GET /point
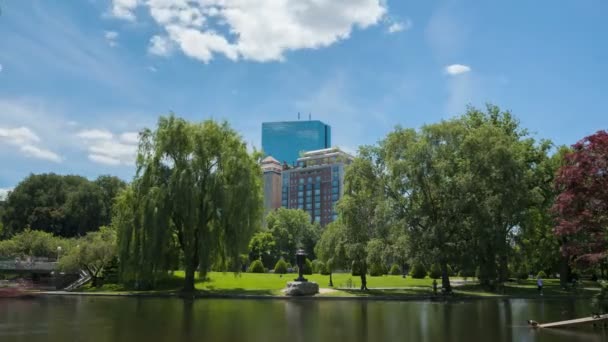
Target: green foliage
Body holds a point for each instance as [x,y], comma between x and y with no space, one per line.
[522,273]
[318,266]
[418,271]
[331,246]
[263,246]
[308,267]
[355,269]
[92,253]
[377,270]
[280,267]
[196,187]
[395,270]
[256,267]
[66,206]
[435,272]
[541,274]
[291,228]
[34,243]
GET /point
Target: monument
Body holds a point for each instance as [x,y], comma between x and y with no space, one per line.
[301,286]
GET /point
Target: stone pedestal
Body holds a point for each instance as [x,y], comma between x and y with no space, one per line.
[301,288]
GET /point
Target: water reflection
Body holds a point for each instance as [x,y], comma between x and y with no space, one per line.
[95,319]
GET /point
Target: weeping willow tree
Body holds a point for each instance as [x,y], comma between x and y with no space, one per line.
[197,189]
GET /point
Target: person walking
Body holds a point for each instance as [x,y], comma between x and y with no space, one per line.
[539,283]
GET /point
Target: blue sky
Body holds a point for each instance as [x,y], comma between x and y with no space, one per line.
[79,78]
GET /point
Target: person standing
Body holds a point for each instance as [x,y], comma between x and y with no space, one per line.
[539,282]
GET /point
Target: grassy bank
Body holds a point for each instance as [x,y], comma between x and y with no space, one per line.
[346,285]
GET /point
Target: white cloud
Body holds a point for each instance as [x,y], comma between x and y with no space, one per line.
[18,136]
[123,9]
[110,149]
[26,140]
[262,30]
[1,68]
[111,37]
[152,68]
[94,134]
[160,46]
[130,137]
[457,69]
[4,193]
[40,153]
[101,159]
[399,26]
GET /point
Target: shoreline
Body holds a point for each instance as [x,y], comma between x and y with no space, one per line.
[396,298]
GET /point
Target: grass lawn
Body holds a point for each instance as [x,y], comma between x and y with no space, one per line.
[348,285]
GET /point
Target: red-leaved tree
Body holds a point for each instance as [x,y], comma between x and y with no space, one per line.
[581,207]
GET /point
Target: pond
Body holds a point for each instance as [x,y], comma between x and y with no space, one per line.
[95,319]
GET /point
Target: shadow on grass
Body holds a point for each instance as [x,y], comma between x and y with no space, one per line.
[409,292]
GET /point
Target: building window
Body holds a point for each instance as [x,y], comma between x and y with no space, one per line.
[317,205]
[318,192]
[300,187]
[301,180]
[318,199]
[334,197]
[300,206]
[309,192]
[309,179]
[317,218]
[334,190]
[318,179]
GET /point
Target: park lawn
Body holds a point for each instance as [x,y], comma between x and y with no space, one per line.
[266,283]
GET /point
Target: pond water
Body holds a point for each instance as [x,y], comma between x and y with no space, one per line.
[95,319]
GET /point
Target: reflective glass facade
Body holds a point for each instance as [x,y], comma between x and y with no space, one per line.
[285,140]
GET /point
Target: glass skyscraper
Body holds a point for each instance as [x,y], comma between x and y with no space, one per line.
[285,140]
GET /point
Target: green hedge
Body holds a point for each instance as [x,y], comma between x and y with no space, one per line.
[435,272]
[395,270]
[256,267]
[377,270]
[280,267]
[541,274]
[418,271]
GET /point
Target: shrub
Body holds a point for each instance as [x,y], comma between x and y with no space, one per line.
[418,271]
[256,267]
[280,267]
[541,274]
[307,267]
[318,266]
[395,270]
[522,274]
[376,270]
[435,271]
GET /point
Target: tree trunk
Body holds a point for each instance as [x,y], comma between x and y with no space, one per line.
[363,277]
[564,273]
[445,277]
[503,268]
[331,283]
[189,281]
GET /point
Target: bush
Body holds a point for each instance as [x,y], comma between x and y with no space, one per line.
[435,272]
[256,267]
[280,267]
[541,274]
[318,266]
[376,270]
[395,270]
[522,273]
[307,267]
[418,271]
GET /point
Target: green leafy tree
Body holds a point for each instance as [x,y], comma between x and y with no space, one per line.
[67,206]
[263,246]
[256,267]
[290,228]
[359,208]
[418,271]
[376,257]
[194,181]
[93,253]
[34,243]
[331,247]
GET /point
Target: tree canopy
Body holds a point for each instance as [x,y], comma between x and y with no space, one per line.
[581,206]
[196,187]
[66,206]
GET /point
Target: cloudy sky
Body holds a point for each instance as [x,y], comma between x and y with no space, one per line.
[78,79]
